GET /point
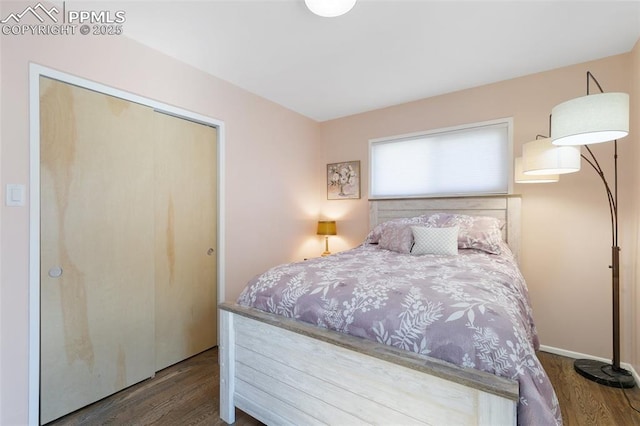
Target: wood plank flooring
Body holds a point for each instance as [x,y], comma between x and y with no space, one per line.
[187,394]
[586,403]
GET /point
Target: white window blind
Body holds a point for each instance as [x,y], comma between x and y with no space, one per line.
[472,159]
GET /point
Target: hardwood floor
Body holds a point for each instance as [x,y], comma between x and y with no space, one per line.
[183,394]
[187,394]
[585,403]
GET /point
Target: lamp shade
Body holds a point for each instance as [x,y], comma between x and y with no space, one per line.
[326,227]
[520,177]
[330,8]
[541,157]
[590,119]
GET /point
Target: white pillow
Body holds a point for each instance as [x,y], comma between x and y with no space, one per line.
[435,240]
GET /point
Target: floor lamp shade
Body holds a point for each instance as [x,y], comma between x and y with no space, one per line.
[541,157]
[590,119]
[520,177]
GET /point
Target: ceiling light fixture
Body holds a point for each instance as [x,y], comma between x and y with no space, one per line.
[330,8]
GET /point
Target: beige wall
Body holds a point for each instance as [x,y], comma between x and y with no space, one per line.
[635,129]
[271,161]
[566,232]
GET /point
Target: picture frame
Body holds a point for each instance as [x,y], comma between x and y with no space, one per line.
[343,180]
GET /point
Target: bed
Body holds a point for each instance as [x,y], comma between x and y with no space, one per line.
[385,334]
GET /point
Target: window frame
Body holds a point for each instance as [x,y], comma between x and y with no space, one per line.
[508,121]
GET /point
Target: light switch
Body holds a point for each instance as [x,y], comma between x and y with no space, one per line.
[15,195]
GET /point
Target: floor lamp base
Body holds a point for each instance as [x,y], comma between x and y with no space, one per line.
[603,373]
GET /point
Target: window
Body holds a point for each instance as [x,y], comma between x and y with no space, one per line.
[472,159]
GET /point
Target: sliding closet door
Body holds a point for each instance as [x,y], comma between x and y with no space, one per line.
[185,239]
[97,246]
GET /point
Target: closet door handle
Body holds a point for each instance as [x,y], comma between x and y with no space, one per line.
[210,251]
[55,271]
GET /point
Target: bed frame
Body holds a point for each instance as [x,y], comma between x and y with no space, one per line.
[281,371]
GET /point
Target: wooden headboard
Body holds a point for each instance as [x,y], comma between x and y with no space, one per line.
[505,207]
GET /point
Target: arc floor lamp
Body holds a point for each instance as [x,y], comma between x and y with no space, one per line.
[578,122]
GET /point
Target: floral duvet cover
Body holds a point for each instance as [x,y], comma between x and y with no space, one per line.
[471,310]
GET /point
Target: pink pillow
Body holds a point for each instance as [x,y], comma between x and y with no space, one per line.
[376,232]
[396,237]
[476,232]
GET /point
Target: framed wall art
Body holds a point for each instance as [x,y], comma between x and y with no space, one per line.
[343,180]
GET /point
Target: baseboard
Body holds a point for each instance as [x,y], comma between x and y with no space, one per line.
[578,355]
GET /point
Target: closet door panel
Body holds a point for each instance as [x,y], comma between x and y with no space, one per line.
[97,246]
[185,239]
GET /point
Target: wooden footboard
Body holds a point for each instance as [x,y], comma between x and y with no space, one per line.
[282,371]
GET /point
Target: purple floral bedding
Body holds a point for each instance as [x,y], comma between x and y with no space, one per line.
[471,309]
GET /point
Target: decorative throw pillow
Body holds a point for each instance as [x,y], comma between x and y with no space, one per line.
[396,237]
[475,232]
[435,240]
[479,232]
[376,232]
